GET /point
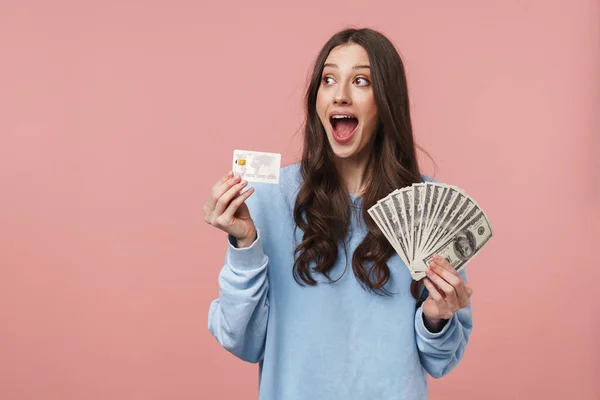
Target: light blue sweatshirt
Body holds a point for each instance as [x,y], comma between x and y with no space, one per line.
[331,341]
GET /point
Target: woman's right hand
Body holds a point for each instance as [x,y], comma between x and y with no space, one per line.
[226,209]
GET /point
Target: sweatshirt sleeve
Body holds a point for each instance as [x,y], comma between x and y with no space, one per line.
[238,318]
[442,351]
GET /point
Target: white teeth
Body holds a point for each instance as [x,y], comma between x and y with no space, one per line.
[342,116]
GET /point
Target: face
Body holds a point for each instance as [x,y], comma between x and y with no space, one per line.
[346,104]
[465,247]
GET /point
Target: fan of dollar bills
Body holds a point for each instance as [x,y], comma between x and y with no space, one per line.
[432,218]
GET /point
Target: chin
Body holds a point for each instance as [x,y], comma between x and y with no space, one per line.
[344,153]
[341,150]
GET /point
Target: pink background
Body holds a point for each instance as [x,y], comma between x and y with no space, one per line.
[117,117]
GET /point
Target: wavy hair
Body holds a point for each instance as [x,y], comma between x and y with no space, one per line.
[323,208]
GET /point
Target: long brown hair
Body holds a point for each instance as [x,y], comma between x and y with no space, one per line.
[323,208]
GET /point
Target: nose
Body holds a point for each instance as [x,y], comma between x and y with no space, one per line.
[341,96]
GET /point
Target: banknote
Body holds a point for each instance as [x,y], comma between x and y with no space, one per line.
[375,213]
[465,244]
[427,200]
[439,191]
[393,222]
[448,200]
[256,166]
[402,220]
[379,218]
[407,203]
[390,218]
[443,227]
[418,194]
[464,214]
[431,218]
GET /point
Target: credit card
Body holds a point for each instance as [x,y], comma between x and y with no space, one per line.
[257,166]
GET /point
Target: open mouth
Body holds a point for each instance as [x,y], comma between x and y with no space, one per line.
[343,125]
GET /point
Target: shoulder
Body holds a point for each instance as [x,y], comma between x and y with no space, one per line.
[427,178]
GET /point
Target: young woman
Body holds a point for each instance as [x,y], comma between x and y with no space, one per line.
[311,289]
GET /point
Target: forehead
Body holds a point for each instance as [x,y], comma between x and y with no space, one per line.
[349,53]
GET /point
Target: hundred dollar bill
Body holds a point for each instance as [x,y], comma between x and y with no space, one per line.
[391,217]
[439,190]
[465,244]
[256,166]
[427,200]
[451,195]
[379,217]
[399,211]
[418,194]
[445,227]
[462,217]
[406,195]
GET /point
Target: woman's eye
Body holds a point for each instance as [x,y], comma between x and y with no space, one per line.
[327,80]
[364,80]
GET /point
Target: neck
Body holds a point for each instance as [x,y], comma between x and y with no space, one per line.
[353,174]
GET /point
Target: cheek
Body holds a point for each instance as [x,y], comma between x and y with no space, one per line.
[369,109]
[371,122]
[372,116]
[373,109]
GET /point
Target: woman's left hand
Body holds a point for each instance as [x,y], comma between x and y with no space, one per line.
[448,293]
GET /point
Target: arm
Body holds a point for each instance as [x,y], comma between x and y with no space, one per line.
[441,351]
[238,318]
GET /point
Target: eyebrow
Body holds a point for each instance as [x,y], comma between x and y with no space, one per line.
[361,66]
